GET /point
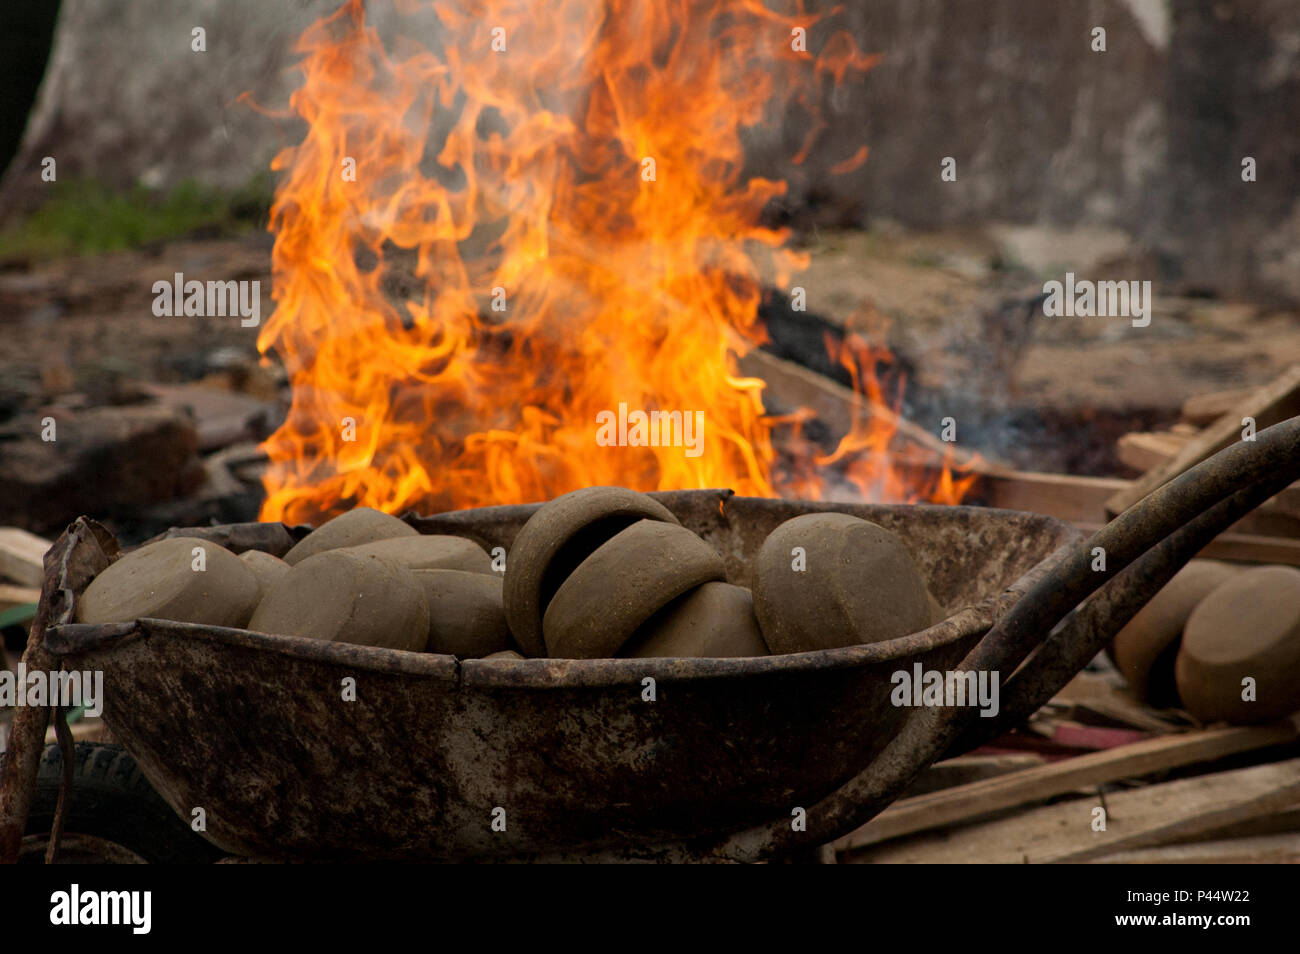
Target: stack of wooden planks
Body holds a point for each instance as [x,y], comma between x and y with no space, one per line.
[1170,794]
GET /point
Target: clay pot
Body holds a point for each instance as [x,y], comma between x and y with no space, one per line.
[505,654]
[628,579]
[714,620]
[1145,649]
[466,615]
[362,525]
[859,584]
[160,581]
[555,540]
[350,598]
[1249,626]
[266,568]
[431,552]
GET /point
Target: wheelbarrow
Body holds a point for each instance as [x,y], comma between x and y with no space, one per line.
[664,759]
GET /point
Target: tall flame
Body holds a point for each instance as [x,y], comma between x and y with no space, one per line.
[482,246]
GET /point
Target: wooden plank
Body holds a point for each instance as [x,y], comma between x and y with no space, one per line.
[1279,823]
[1204,409]
[1138,818]
[83,730]
[1057,495]
[837,406]
[1089,697]
[11,596]
[1146,450]
[1274,402]
[1264,850]
[978,799]
[22,556]
[965,769]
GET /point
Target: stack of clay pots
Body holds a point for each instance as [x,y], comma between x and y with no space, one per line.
[599,572]
[364,577]
[1220,641]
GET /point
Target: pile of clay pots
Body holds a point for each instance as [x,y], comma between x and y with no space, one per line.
[1219,641]
[599,572]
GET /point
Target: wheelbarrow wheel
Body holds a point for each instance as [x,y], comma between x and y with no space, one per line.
[114,814]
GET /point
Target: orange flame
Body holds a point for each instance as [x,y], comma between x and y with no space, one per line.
[481,249]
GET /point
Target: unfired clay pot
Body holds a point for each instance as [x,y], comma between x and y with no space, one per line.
[1145,649]
[466,615]
[555,540]
[350,598]
[266,568]
[826,580]
[1248,627]
[429,552]
[628,579]
[713,620]
[358,526]
[162,581]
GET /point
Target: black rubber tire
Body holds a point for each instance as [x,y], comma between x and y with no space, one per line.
[113,801]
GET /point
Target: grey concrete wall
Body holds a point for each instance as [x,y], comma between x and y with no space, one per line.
[1147,137]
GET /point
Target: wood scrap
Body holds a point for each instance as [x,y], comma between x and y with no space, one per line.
[11,596]
[83,730]
[965,769]
[22,556]
[1095,738]
[1279,823]
[837,406]
[1201,410]
[1058,495]
[1145,817]
[978,799]
[1261,850]
[1274,402]
[1147,450]
[1090,698]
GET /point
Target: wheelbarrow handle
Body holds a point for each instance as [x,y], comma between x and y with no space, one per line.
[1143,548]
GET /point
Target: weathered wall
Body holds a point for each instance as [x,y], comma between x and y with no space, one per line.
[1147,136]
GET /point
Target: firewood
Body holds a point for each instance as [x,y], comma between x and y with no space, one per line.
[11,596]
[22,556]
[836,405]
[1274,402]
[1264,849]
[1144,817]
[1201,410]
[1063,496]
[966,803]
[1147,450]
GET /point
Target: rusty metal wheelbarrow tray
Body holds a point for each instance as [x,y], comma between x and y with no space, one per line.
[571,755]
